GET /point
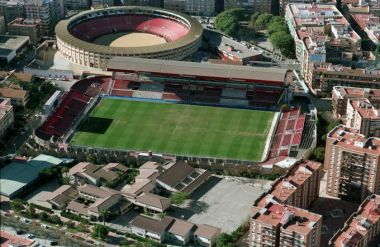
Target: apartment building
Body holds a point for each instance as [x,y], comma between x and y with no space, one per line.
[361,7]
[322,77]
[364,117]
[341,94]
[279,225]
[352,163]
[6,116]
[26,27]
[200,7]
[11,10]
[299,187]
[368,26]
[76,4]
[362,228]
[260,6]
[18,96]
[321,34]
[176,5]
[102,3]
[50,12]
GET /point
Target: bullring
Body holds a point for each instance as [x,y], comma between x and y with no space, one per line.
[76,36]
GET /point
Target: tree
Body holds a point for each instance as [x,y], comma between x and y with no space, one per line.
[104,214]
[278,26]
[262,21]
[254,17]
[17,205]
[55,220]
[100,232]
[43,216]
[283,41]
[91,158]
[31,212]
[224,240]
[65,180]
[319,154]
[228,21]
[179,197]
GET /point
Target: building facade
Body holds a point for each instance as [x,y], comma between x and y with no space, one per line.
[323,77]
[6,116]
[11,10]
[279,225]
[321,34]
[364,117]
[299,187]
[50,12]
[176,5]
[260,6]
[362,228]
[352,163]
[26,27]
[341,94]
[200,7]
[76,4]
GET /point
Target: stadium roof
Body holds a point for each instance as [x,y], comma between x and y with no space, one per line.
[195,32]
[201,70]
[17,175]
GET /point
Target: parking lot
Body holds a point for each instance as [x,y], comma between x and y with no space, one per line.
[222,202]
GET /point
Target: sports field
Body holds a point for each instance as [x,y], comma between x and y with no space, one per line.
[127,39]
[176,129]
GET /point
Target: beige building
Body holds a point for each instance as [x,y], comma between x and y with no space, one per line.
[352,164]
[6,116]
[19,97]
[341,94]
[299,187]
[26,27]
[362,229]
[323,77]
[364,117]
[279,225]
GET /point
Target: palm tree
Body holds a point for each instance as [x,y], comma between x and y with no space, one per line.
[104,214]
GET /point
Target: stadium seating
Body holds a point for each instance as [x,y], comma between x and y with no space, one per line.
[91,29]
[288,133]
[73,104]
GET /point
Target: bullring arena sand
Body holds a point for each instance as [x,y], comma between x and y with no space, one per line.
[127,39]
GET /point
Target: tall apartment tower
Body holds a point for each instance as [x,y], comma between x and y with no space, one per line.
[362,228]
[277,225]
[352,162]
[298,187]
[50,12]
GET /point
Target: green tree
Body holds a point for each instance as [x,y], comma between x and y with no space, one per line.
[43,216]
[104,215]
[262,21]
[65,180]
[318,154]
[179,197]
[254,17]
[55,220]
[277,19]
[100,232]
[224,240]
[228,21]
[283,42]
[274,27]
[17,205]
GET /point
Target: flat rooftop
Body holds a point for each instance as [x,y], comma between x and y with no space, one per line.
[9,43]
[198,70]
[16,175]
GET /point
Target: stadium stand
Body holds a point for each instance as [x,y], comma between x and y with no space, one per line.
[165,28]
[288,134]
[71,108]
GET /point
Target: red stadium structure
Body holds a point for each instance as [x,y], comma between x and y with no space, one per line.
[73,106]
[76,35]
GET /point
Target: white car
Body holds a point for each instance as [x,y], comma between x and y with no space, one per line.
[29,236]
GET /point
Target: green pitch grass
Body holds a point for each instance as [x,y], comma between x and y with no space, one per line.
[176,129]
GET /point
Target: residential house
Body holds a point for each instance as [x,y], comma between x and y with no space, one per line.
[206,235]
[180,231]
[151,228]
[61,197]
[179,176]
[152,202]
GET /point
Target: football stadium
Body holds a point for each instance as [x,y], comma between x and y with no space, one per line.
[182,109]
[91,38]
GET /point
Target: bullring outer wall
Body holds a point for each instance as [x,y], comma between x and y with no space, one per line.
[93,55]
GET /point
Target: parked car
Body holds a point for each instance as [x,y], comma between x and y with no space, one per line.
[53,243]
[30,236]
[20,232]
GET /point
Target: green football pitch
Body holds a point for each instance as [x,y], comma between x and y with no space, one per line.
[176,129]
